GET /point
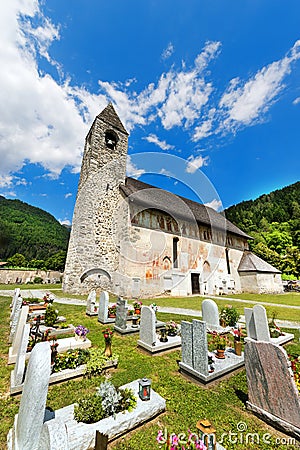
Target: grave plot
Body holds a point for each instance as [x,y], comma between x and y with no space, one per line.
[259,329]
[150,340]
[121,324]
[272,391]
[30,432]
[64,344]
[77,359]
[197,361]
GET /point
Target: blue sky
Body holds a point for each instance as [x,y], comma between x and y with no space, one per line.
[212,88]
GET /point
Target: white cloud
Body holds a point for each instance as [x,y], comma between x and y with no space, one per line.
[5,181]
[69,194]
[132,170]
[64,222]
[296,101]
[168,51]
[30,126]
[155,140]
[245,104]
[214,204]
[195,163]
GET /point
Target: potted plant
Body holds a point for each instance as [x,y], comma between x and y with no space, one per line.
[51,315]
[220,343]
[172,328]
[229,316]
[237,335]
[107,334]
[137,307]
[112,311]
[81,332]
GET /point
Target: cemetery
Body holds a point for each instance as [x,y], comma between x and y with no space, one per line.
[53,408]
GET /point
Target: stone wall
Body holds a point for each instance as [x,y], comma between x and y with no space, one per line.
[12,276]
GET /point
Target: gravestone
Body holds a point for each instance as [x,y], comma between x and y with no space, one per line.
[272,391]
[194,346]
[210,313]
[195,354]
[250,324]
[121,314]
[187,343]
[15,318]
[103,307]
[19,332]
[147,326]
[261,323]
[18,372]
[28,424]
[200,356]
[14,300]
[91,309]
[136,287]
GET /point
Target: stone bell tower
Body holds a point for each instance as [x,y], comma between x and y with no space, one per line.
[93,246]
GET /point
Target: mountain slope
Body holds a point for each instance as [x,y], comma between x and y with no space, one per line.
[274,222]
[30,231]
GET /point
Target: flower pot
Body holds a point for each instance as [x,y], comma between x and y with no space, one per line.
[111,316]
[222,323]
[220,354]
[238,348]
[108,351]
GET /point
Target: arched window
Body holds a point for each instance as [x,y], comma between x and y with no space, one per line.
[175,252]
[111,139]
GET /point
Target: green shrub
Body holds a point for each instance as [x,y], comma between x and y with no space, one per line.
[51,315]
[105,403]
[96,362]
[89,409]
[128,400]
[38,280]
[230,315]
[71,359]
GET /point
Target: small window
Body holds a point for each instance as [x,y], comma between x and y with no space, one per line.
[111,139]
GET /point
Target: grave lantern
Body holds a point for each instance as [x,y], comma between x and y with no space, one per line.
[207,433]
[144,388]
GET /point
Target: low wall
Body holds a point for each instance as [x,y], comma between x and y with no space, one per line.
[12,276]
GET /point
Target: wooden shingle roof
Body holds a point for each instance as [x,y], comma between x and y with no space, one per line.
[253,263]
[152,197]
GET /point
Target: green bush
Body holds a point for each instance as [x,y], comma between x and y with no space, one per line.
[51,315]
[89,409]
[96,362]
[230,315]
[128,400]
[71,359]
[38,280]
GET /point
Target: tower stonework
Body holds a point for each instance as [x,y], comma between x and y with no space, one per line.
[93,247]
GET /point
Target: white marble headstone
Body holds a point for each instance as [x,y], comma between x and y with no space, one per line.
[20,362]
[103,307]
[91,302]
[33,401]
[19,329]
[147,326]
[261,323]
[210,313]
[15,318]
[14,300]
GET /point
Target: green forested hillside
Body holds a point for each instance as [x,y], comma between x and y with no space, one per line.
[273,220]
[29,231]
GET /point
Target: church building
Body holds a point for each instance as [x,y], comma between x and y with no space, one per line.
[137,240]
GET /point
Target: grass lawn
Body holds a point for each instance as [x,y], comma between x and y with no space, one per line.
[283,313]
[223,403]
